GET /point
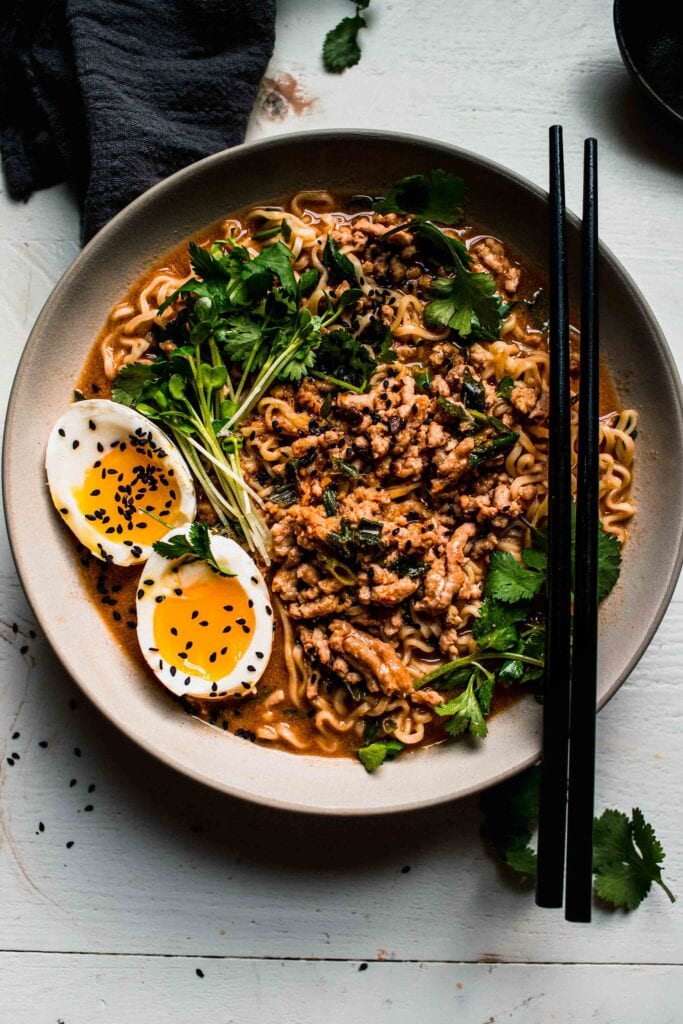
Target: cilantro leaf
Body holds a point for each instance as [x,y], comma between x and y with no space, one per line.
[512,581]
[238,337]
[130,383]
[510,813]
[375,754]
[341,49]
[609,561]
[468,303]
[495,628]
[627,856]
[465,712]
[195,543]
[276,259]
[627,859]
[339,266]
[435,196]
[308,281]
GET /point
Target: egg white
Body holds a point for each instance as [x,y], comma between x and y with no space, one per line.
[72,449]
[161,576]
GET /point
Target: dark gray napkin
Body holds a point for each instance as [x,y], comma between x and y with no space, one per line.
[113,95]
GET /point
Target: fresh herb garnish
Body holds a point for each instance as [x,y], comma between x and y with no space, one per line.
[466,302]
[505,388]
[196,543]
[467,711]
[245,314]
[511,581]
[339,266]
[627,859]
[344,361]
[341,49]
[375,754]
[627,856]
[437,196]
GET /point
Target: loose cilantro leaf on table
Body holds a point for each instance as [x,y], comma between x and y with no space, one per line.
[196,543]
[627,856]
[375,754]
[341,49]
[510,815]
[627,859]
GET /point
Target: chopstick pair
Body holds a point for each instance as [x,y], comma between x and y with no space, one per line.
[568,769]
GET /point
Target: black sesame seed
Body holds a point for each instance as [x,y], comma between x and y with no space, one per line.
[88,807]
[42,743]
[75,444]
[69,844]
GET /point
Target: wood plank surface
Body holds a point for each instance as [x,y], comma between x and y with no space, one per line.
[162,872]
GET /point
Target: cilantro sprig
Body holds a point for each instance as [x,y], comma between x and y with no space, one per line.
[375,754]
[465,301]
[627,856]
[244,326]
[627,859]
[341,49]
[195,544]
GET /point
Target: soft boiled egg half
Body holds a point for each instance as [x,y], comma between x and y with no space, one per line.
[204,634]
[116,480]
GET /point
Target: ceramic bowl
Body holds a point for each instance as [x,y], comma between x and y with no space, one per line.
[366,162]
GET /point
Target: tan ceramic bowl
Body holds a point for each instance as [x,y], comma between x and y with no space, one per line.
[366,162]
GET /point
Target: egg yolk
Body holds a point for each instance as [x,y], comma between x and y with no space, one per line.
[204,629]
[118,486]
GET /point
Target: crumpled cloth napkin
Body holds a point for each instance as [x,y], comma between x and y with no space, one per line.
[114,95]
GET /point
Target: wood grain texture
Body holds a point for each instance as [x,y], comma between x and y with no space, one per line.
[71,989]
[168,872]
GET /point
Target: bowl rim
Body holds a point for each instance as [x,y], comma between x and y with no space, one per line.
[99,241]
[633,69]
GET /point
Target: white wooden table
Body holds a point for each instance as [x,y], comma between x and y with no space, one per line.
[175,904]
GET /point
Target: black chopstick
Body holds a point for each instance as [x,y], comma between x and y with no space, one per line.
[553,807]
[579,880]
